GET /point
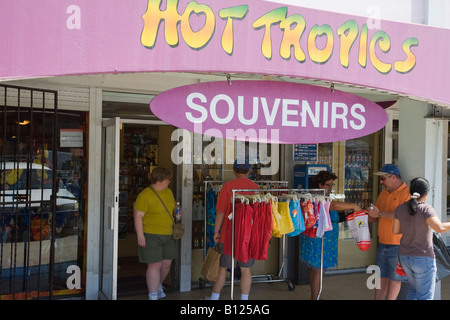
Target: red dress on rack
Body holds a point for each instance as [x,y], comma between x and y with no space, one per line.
[224,204]
[261,230]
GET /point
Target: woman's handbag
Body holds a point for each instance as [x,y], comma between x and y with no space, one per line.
[442,253]
[178,227]
[178,230]
[210,268]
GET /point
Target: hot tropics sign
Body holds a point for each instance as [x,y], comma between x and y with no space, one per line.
[269,112]
[210,36]
[322,40]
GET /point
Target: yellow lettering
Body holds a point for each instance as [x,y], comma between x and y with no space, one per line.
[384,42]
[362,56]
[320,55]
[197,25]
[348,33]
[152,20]
[409,63]
[238,12]
[291,37]
[197,39]
[267,20]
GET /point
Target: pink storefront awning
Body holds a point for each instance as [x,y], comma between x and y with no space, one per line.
[56,38]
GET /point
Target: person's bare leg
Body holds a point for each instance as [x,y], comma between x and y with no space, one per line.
[314,282]
[220,282]
[393,290]
[165,268]
[380,294]
[246,280]
[153,276]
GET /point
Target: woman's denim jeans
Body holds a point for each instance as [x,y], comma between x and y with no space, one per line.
[421,272]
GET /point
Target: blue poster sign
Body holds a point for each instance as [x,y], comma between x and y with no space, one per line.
[305,152]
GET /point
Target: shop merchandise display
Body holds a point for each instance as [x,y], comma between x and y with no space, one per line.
[262,216]
[257,218]
[281,225]
[212,189]
[279,212]
[253,228]
[211,202]
[359,226]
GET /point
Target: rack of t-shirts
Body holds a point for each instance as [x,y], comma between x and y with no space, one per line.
[211,191]
[260,215]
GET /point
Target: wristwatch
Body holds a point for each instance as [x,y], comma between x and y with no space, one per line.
[379,214]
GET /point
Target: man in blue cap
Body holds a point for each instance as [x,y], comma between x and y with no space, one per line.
[394,193]
[241,170]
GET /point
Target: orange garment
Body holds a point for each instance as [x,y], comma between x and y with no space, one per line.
[389,202]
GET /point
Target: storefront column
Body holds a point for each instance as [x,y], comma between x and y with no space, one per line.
[94,199]
[185,170]
[421,144]
[422,153]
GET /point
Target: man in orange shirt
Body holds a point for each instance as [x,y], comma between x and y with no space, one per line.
[395,192]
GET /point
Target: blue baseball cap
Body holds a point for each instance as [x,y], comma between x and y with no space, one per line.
[241,164]
[388,168]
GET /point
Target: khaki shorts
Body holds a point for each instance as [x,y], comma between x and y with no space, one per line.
[158,247]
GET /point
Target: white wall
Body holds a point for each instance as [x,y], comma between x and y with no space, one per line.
[439,13]
[421,145]
[398,10]
[434,13]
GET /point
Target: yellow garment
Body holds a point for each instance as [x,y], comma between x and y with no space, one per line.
[286,224]
[156,220]
[275,219]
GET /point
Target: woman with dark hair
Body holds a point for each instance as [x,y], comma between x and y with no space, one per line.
[311,247]
[416,220]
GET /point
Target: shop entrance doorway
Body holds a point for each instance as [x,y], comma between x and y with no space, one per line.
[133,148]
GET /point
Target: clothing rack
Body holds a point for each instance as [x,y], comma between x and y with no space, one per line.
[208,183]
[269,183]
[234,191]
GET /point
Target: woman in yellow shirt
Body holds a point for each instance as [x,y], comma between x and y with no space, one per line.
[154,226]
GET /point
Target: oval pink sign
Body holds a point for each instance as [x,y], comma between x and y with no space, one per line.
[269,112]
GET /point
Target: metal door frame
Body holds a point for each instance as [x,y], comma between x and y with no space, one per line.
[110,216]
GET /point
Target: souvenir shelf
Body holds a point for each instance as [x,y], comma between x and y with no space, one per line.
[358,175]
[139,157]
[202,173]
